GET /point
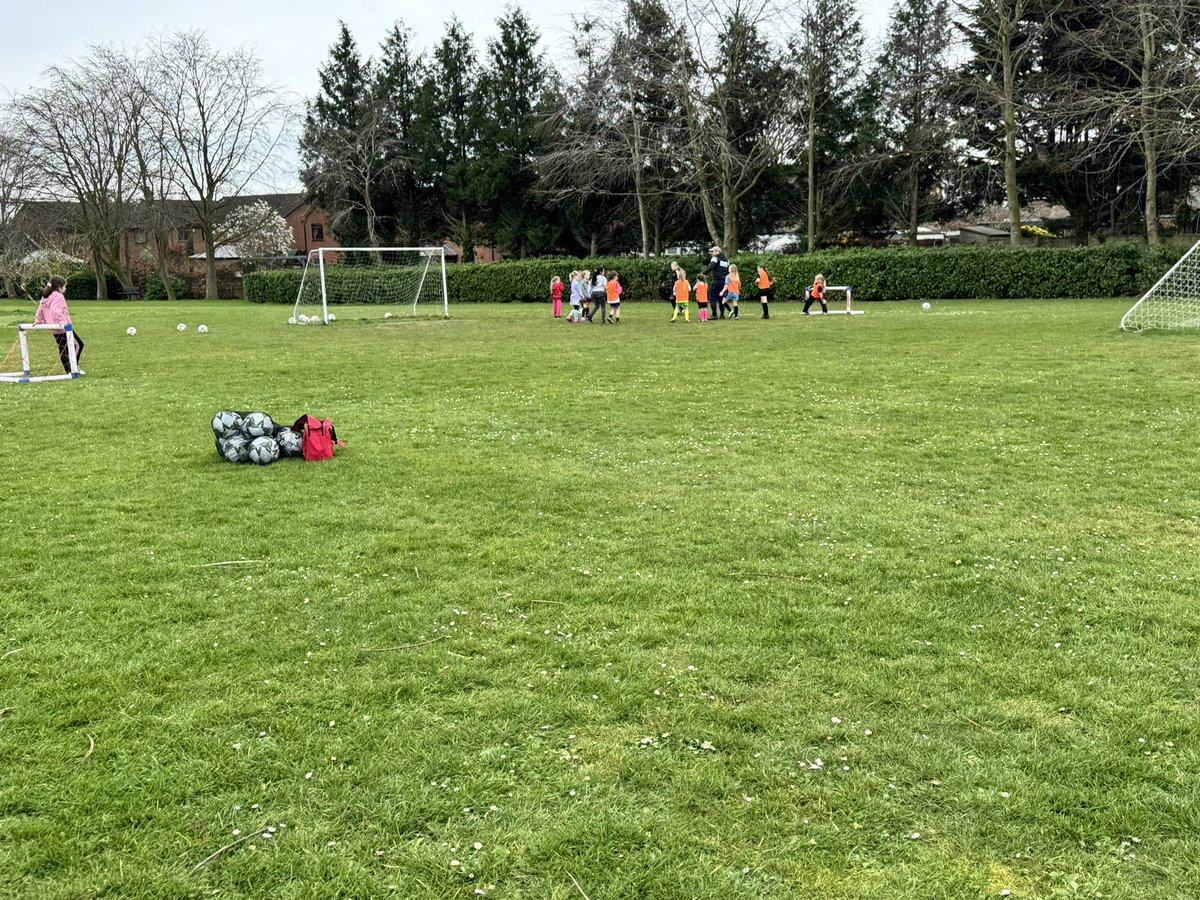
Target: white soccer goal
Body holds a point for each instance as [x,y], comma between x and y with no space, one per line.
[1174,302]
[402,277]
[38,354]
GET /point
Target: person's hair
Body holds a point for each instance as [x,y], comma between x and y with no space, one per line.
[682,274]
[555,279]
[56,283]
[733,268]
[700,279]
[820,278]
[612,274]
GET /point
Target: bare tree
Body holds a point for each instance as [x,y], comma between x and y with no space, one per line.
[18,183]
[83,154]
[221,122]
[735,102]
[617,123]
[354,165]
[1151,98]
[1005,35]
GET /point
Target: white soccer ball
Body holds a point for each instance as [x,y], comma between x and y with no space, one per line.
[226,422]
[263,451]
[925,305]
[131,331]
[332,318]
[291,320]
[257,424]
[387,315]
[203,329]
[234,447]
[302,319]
[181,327]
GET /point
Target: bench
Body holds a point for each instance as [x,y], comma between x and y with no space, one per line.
[125,294]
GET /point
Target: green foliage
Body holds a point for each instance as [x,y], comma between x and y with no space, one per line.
[156,290]
[963,273]
[81,285]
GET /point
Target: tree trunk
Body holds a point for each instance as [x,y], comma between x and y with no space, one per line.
[730,209]
[101,281]
[658,240]
[641,205]
[160,261]
[812,168]
[914,208]
[1008,109]
[1149,122]
[210,265]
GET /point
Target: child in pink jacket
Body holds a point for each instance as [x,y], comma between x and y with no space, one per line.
[52,310]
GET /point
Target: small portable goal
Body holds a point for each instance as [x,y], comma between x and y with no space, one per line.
[27,373]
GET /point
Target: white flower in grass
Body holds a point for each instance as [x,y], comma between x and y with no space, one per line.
[1005,794]
[835,720]
[454,863]
[308,776]
[1006,893]
[915,836]
[236,832]
[254,806]
[477,845]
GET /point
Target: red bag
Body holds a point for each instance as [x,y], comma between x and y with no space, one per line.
[317,437]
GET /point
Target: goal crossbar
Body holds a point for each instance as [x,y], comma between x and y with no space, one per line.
[429,253]
[25,375]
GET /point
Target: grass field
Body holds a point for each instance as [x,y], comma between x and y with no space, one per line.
[902,606]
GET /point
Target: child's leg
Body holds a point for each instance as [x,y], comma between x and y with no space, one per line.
[686,317]
[675,312]
[808,300]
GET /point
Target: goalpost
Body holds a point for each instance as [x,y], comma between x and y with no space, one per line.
[1174,302]
[413,277]
[44,363]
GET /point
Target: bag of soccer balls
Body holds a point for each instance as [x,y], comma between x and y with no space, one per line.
[254,437]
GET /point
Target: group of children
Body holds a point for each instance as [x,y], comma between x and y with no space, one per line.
[726,300]
[601,294]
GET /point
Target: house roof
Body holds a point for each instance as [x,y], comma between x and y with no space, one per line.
[284,204]
[986,230]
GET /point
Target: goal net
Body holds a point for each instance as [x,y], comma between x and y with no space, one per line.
[35,355]
[401,279]
[1174,302]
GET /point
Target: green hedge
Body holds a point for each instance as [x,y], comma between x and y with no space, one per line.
[963,273]
[156,290]
[82,285]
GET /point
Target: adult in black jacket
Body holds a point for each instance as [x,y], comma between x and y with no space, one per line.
[718,268]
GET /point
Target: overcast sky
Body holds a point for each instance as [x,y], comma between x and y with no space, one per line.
[292,38]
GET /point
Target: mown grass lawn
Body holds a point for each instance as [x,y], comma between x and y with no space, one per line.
[898,606]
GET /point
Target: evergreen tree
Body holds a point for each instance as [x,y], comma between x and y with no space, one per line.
[829,110]
[400,89]
[453,87]
[514,87]
[914,106]
[332,122]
